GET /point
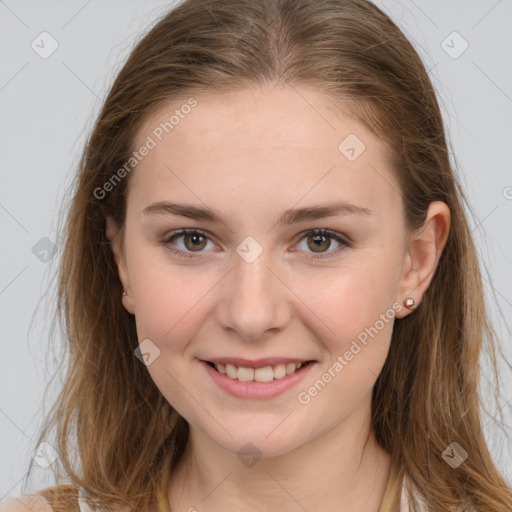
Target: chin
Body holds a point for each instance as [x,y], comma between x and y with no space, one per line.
[253,442]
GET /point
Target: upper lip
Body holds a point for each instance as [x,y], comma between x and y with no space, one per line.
[257,363]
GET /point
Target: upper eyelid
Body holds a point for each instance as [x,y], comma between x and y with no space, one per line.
[188,231]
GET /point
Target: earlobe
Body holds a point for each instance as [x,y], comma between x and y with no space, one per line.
[424,252]
[114,234]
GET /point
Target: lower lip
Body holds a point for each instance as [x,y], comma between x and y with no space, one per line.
[253,389]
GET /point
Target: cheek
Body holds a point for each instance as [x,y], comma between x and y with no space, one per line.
[167,301]
[355,305]
[169,310]
[163,293]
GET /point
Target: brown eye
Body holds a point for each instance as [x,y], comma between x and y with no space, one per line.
[319,243]
[197,242]
[188,243]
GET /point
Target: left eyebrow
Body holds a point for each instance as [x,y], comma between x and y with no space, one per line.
[293,216]
[290,216]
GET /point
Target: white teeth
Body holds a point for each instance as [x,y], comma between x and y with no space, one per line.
[231,371]
[264,374]
[279,371]
[290,368]
[245,374]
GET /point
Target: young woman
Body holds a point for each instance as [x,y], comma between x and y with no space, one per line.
[270,291]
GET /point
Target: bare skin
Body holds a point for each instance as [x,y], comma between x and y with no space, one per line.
[250,156]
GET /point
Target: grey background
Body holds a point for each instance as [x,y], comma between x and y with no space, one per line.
[48,106]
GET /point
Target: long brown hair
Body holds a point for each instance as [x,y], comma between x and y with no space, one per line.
[110,414]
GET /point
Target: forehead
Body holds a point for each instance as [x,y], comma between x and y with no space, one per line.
[277,144]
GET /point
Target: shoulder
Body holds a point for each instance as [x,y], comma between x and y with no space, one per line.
[59,498]
[26,504]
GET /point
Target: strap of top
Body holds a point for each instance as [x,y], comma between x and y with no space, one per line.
[83,504]
[393,495]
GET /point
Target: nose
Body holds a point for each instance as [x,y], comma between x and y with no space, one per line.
[254,300]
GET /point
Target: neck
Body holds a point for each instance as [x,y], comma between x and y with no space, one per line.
[343,470]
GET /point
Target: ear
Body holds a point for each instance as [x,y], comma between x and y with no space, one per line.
[423,254]
[116,237]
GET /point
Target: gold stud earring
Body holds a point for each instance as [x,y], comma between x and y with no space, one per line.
[409,303]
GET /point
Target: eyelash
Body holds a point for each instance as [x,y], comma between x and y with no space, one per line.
[344,241]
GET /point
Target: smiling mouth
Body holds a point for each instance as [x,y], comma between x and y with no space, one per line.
[263,374]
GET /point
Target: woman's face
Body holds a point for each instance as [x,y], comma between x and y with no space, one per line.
[255,284]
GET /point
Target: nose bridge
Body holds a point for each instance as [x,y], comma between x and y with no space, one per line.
[253,299]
